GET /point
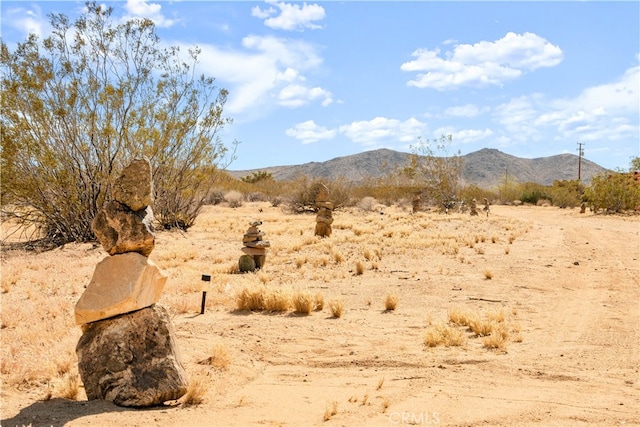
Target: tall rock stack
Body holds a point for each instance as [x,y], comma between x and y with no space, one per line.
[254,248]
[127,353]
[324,218]
[416,203]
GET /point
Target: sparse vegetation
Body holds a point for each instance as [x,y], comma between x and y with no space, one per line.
[391,302]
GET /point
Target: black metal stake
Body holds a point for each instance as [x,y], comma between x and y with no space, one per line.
[205,278]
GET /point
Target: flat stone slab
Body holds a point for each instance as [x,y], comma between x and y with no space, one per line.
[254,251]
[120,284]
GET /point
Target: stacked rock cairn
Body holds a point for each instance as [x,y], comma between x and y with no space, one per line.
[254,248]
[127,353]
[416,203]
[324,217]
[473,211]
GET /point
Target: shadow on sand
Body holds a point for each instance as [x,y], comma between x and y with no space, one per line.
[58,412]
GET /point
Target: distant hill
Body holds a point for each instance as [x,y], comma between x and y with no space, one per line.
[485,168]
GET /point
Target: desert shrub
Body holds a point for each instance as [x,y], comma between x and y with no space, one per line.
[302,192]
[614,192]
[566,193]
[531,192]
[367,204]
[234,198]
[70,125]
[437,172]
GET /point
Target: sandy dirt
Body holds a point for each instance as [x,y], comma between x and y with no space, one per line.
[568,283]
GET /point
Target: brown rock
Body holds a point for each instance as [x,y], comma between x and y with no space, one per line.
[324,220]
[254,251]
[323,229]
[323,194]
[134,188]
[120,284]
[252,237]
[132,359]
[258,244]
[120,230]
[246,264]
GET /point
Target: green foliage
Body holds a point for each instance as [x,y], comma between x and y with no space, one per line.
[566,193]
[472,191]
[614,192]
[79,105]
[257,177]
[634,165]
[532,192]
[439,175]
[301,193]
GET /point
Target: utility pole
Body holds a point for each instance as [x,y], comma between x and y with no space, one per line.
[580,154]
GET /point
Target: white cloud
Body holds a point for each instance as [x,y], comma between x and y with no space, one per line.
[382,129]
[144,9]
[603,113]
[463,136]
[291,17]
[309,132]
[266,68]
[297,96]
[483,63]
[27,21]
[467,110]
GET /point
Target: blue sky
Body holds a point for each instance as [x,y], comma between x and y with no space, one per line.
[317,80]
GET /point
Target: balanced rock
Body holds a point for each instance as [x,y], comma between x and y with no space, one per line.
[324,217]
[120,284]
[134,187]
[120,230]
[254,249]
[132,360]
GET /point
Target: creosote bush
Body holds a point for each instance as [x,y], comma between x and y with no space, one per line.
[70,124]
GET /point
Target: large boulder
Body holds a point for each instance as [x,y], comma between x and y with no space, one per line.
[132,359]
[120,230]
[134,187]
[120,284]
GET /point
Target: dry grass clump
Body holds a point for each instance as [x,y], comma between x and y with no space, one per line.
[277,300]
[337,308]
[445,335]
[303,302]
[251,299]
[391,302]
[220,356]
[359,268]
[196,391]
[318,301]
[66,387]
[330,411]
[461,317]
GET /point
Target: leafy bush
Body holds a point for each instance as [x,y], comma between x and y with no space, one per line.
[70,123]
[566,193]
[614,192]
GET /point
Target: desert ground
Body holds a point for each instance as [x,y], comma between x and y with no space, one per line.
[558,294]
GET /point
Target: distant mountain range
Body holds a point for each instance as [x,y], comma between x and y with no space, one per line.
[486,168]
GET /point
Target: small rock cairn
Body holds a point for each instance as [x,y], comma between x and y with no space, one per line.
[127,353]
[416,202]
[254,248]
[324,217]
[486,206]
[473,207]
